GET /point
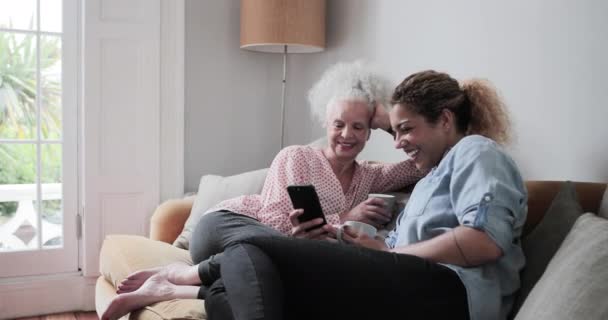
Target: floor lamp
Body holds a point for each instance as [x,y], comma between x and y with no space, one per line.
[283,26]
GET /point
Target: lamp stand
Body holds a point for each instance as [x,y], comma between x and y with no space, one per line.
[283,96]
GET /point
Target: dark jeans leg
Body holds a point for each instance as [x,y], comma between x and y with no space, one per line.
[349,282]
[253,292]
[217,306]
[214,232]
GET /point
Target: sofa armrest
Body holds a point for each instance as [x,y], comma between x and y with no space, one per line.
[169,218]
[541,194]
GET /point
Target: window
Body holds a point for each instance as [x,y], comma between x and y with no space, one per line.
[37,127]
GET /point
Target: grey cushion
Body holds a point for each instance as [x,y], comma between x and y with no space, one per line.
[542,243]
[575,284]
[214,189]
[603,212]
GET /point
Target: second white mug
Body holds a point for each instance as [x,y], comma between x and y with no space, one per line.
[359,228]
[389,199]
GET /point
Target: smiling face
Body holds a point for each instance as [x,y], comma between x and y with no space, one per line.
[424,142]
[347,129]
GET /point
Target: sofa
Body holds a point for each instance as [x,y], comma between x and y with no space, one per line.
[122,254]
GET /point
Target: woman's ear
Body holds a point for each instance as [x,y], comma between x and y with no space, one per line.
[447,119]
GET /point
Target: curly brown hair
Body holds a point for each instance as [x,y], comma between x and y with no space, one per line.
[475,103]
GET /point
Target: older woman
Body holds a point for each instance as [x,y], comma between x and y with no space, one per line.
[455,251]
[349,100]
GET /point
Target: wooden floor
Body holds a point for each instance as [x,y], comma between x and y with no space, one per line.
[91,315]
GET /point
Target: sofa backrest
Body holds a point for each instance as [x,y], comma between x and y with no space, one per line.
[541,193]
[167,222]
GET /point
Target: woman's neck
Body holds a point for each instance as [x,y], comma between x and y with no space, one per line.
[340,168]
[455,140]
[450,144]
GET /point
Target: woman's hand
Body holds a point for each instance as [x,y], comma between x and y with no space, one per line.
[299,229]
[331,233]
[371,211]
[363,240]
[380,118]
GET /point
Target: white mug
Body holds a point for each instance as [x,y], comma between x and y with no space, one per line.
[358,227]
[389,199]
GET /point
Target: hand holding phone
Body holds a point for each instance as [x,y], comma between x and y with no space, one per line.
[305,197]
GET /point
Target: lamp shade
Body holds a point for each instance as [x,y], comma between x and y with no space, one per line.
[270,25]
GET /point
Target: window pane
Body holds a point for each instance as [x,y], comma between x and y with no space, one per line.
[50,68]
[17,164]
[50,15]
[17,86]
[7,209]
[18,197]
[18,14]
[52,213]
[51,163]
[52,221]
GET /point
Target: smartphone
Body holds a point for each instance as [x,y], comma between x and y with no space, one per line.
[305,197]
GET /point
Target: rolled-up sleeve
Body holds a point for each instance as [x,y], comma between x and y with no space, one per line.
[488,194]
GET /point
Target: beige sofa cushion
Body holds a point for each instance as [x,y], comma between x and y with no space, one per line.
[575,283]
[214,189]
[123,254]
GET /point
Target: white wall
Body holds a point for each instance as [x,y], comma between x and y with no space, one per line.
[232,96]
[546,57]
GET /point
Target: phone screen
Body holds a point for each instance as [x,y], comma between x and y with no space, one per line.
[305,197]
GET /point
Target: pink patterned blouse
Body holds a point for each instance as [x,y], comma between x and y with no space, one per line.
[308,165]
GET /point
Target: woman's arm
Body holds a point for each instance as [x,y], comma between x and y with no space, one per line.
[393,176]
[288,167]
[380,119]
[462,246]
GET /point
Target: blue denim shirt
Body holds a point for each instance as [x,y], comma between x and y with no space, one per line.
[476,185]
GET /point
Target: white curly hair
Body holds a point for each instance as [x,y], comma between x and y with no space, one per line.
[347,81]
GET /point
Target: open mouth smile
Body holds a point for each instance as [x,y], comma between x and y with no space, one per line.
[346,145]
[412,153]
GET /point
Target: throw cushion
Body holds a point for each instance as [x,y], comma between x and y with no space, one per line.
[575,284]
[542,243]
[214,189]
[603,212]
[123,254]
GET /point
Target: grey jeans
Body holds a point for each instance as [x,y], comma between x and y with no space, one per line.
[215,232]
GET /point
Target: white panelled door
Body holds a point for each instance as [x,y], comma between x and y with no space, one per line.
[121,98]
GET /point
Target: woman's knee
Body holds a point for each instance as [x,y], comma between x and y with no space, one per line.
[202,243]
[210,221]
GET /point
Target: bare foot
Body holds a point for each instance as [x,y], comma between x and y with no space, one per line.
[133,281]
[174,273]
[156,288]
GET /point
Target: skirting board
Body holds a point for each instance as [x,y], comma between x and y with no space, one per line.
[31,296]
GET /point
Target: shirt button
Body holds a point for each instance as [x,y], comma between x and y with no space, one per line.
[487,198]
